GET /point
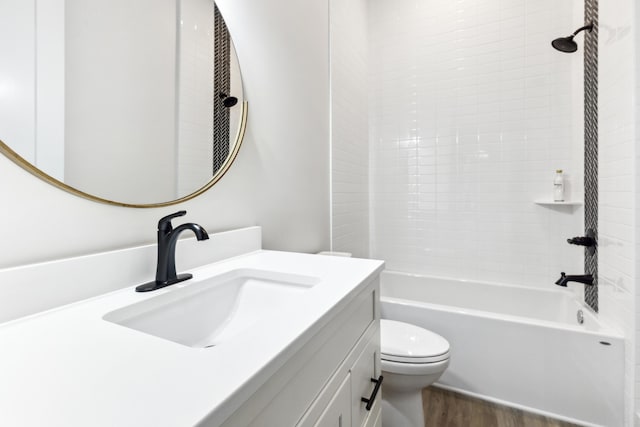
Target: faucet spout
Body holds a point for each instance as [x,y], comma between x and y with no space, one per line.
[166,270]
[167,240]
[201,233]
[587,279]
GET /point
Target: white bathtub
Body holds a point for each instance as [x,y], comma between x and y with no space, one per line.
[518,346]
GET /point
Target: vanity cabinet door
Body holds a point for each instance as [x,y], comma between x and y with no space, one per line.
[366,368]
[375,417]
[338,412]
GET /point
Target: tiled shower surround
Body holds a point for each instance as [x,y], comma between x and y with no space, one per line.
[349,128]
[619,182]
[471,112]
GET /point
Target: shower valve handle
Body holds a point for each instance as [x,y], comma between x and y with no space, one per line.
[582,241]
[589,241]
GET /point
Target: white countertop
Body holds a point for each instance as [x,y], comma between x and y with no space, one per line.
[69,367]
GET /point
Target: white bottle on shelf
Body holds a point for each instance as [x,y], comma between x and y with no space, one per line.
[558,187]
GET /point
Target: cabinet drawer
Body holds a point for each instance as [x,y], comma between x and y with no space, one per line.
[366,368]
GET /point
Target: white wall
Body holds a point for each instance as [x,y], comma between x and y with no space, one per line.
[282,46]
[17,89]
[280,179]
[471,112]
[120,98]
[616,178]
[50,87]
[349,127]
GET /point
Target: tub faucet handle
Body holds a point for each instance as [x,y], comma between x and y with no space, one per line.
[588,241]
[581,241]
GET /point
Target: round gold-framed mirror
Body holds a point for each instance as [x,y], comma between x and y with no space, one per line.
[139,109]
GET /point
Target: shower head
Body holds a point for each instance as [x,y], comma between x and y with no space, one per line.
[228,101]
[566,44]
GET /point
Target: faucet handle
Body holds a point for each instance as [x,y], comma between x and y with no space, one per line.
[589,241]
[582,241]
[165,222]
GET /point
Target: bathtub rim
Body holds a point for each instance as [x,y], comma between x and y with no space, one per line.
[603,328]
[559,290]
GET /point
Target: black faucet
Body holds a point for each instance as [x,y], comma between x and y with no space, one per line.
[167,239]
[587,279]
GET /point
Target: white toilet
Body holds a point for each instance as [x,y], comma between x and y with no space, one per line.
[412,359]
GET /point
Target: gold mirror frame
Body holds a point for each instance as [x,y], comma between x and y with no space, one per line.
[20,161]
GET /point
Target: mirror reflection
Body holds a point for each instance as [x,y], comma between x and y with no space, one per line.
[138,102]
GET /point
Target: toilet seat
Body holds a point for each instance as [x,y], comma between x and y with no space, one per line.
[416,370]
[409,344]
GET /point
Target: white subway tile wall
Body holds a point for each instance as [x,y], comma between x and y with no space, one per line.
[195,95]
[349,127]
[471,113]
[617,175]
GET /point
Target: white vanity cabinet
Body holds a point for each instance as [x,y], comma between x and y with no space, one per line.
[324,382]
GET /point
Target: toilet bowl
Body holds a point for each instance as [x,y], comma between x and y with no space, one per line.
[412,358]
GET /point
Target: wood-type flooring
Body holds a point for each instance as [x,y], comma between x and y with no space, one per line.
[443,408]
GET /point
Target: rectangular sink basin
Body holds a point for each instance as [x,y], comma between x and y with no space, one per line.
[208,312]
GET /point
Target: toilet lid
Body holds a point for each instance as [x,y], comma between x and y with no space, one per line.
[403,342]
